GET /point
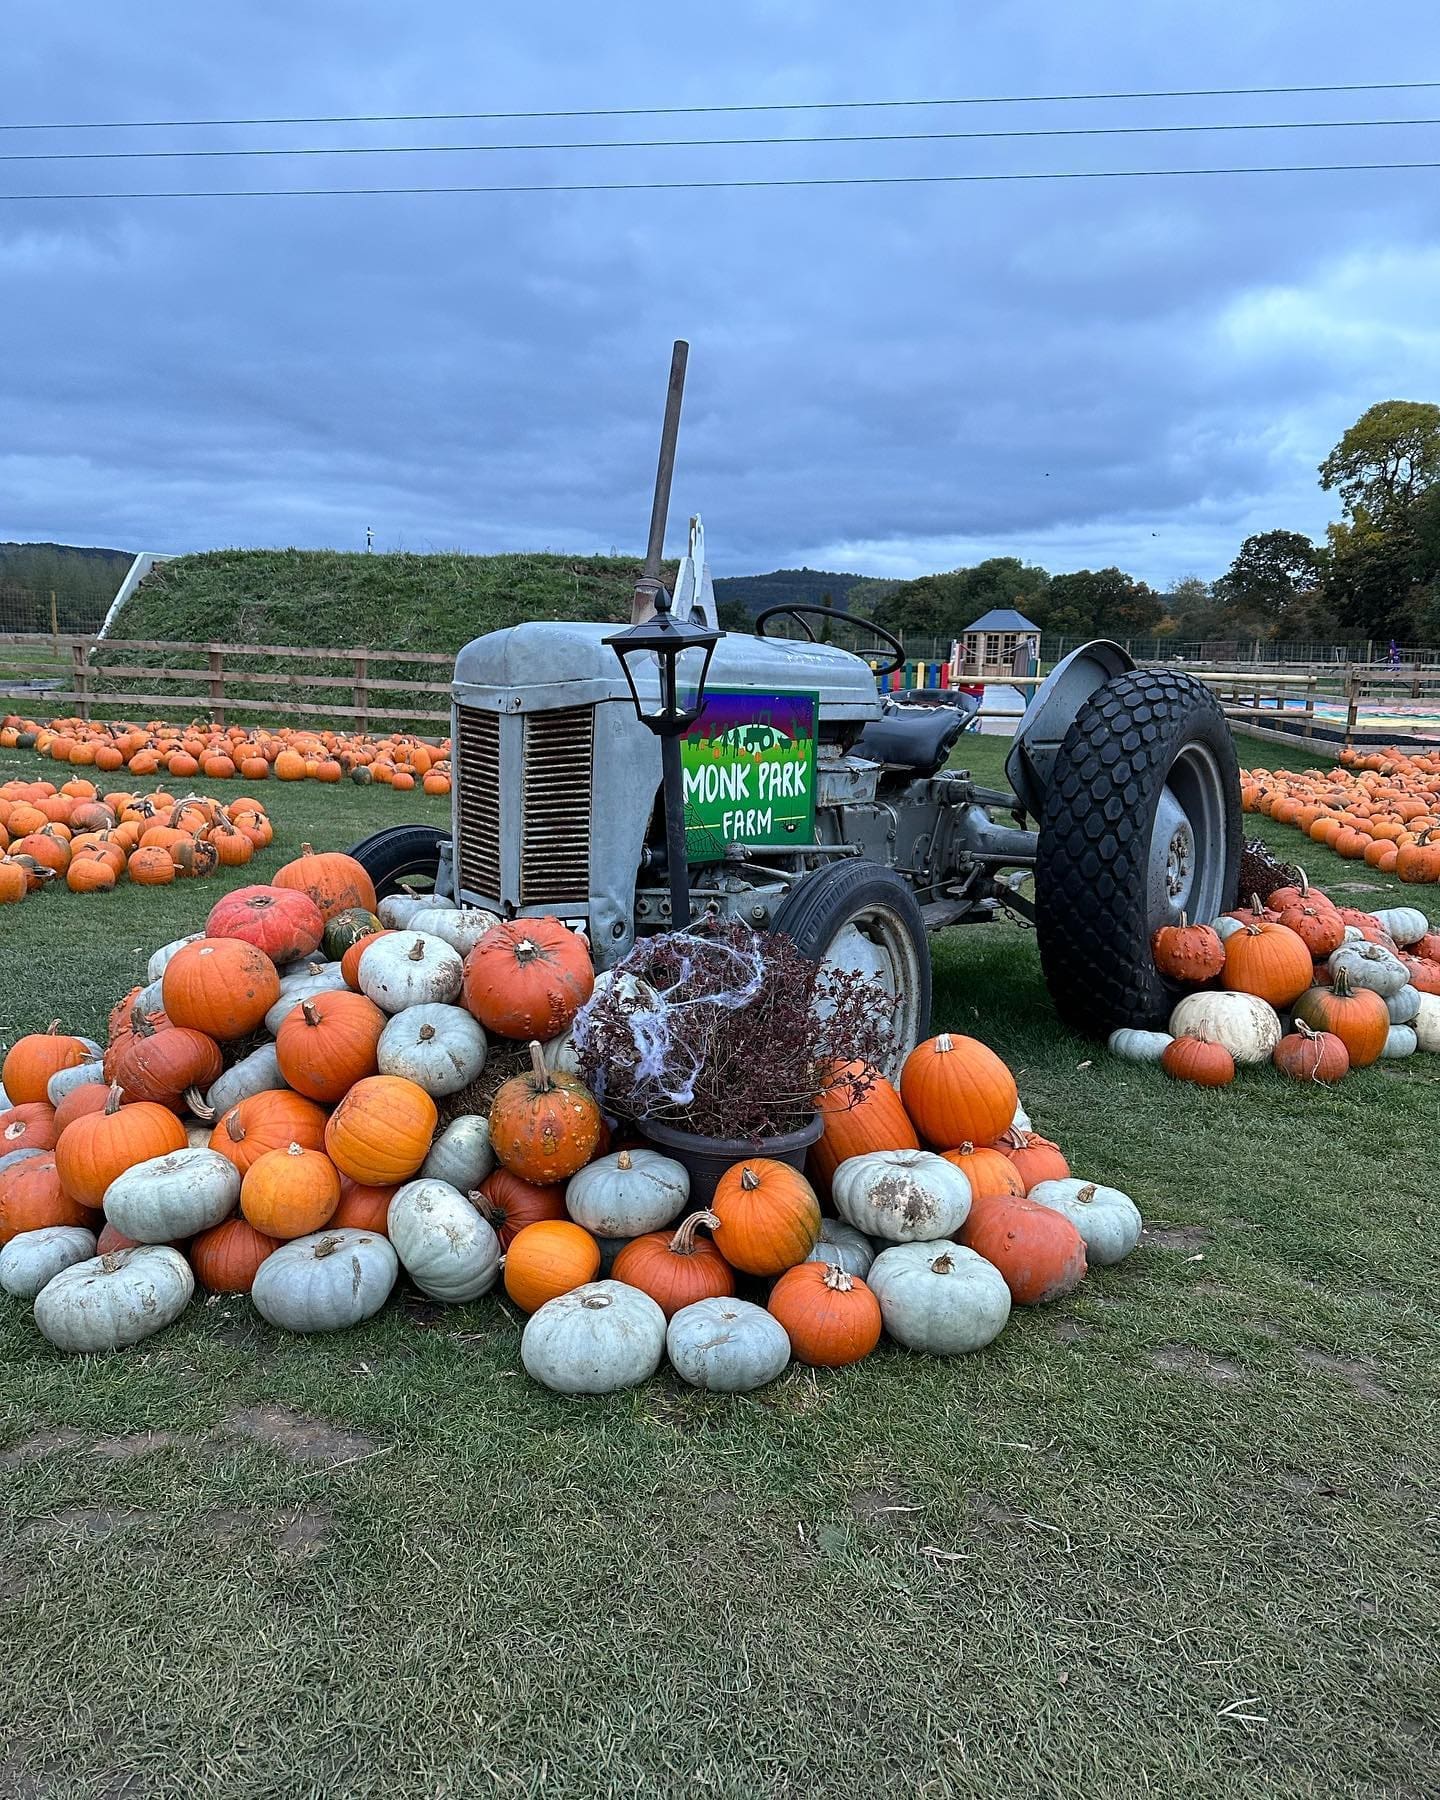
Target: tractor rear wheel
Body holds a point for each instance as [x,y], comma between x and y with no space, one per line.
[1141,823]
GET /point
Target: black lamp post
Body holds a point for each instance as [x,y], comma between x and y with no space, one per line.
[675,655]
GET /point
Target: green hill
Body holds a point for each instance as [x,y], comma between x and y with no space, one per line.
[786,587]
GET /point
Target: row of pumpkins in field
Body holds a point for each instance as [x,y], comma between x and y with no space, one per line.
[88,841]
[227,752]
[1381,807]
[264,1122]
[1356,986]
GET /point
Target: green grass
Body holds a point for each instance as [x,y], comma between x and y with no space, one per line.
[1172,1536]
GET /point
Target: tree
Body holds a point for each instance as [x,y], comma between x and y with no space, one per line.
[1098,603]
[734,615]
[1272,587]
[1386,460]
[1191,610]
[943,605]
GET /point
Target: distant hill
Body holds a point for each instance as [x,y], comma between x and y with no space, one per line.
[785,586]
[83,579]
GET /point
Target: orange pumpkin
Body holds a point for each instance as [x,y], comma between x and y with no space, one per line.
[333,880]
[1198,1060]
[151,868]
[989,1171]
[510,1203]
[1267,960]
[381,1131]
[832,1318]
[221,986]
[95,1148]
[676,1268]
[527,978]
[542,1126]
[32,1197]
[1039,1252]
[364,1208]
[1306,1055]
[877,1120]
[33,1059]
[769,1217]
[291,1192]
[29,1126]
[268,1121]
[89,1097]
[1187,952]
[350,961]
[328,1043]
[958,1091]
[547,1259]
[1035,1158]
[227,1258]
[1358,1017]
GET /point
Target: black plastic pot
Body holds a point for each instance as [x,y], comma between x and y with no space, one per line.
[707,1158]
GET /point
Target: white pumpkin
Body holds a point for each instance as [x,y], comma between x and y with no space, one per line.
[461,1155]
[843,1247]
[33,1258]
[627,1193]
[448,1250]
[1226,927]
[9,1158]
[727,1346]
[1403,1004]
[410,968]
[1247,1026]
[939,1297]
[1400,1041]
[114,1300]
[901,1196]
[151,999]
[396,911]
[461,927]
[257,1073]
[161,958]
[561,1056]
[6,1103]
[1108,1220]
[325,1282]
[1405,924]
[304,981]
[596,1339]
[440,1048]
[1021,1119]
[1138,1046]
[174,1196]
[1370,966]
[63,1081]
[1427,1024]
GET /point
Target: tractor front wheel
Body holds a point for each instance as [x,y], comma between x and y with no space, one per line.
[402,859]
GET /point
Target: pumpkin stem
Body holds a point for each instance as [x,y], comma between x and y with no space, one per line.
[837,1280]
[426,1033]
[749,1180]
[234,1130]
[1256,907]
[113,1099]
[1086,1194]
[944,1043]
[965,1149]
[417,951]
[307,1007]
[1304,1029]
[112,1260]
[683,1242]
[198,1105]
[543,1083]
[1340,983]
[525,950]
[943,1265]
[623,1160]
[327,1246]
[596,1301]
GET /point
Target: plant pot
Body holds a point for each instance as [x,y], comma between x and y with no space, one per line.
[706,1158]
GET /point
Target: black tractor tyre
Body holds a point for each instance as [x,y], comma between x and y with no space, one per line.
[1111,864]
[880,904]
[399,855]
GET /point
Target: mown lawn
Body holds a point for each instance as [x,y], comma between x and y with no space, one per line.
[1176,1535]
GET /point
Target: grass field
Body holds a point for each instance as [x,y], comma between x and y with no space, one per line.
[1176,1535]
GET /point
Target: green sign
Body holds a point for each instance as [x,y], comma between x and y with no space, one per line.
[749,764]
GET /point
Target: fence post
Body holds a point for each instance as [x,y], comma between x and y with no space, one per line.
[361,667]
[79,656]
[54,616]
[216,660]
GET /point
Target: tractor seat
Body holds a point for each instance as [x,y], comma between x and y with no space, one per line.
[918,738]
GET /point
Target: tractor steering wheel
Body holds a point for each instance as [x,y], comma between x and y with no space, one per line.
[797,613]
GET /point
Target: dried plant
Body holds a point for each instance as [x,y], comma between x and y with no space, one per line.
[729,1033]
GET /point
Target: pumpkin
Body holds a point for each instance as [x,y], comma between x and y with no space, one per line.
[1035,1158]
[547,1259]
[407,968]
[290,1193]
[1424,975]
[350,961]
[1318,926]
[163,1064]
[448,1250]
[852,1127]
[1370,966]
[676,1269]
[628,1193]
[396,911]
[1267,960]
[328,1043]
[64,1082]
[33,1059]
[99,1146]
[327,1282]
[844,1246]
[257,1073]
[726,1346]
[957,1091]
[1306,1055]
[769,1216]
[272,1120]
[173,1196]
[363,1208]
[940,1297]
[381,1130]
[902,1196]
[1108,1220]
[1186,952]
[34,1258]
[1400,1008]
[544,1126]
[987,1171]
[1199,1060]
[114,1300]
[831,1318]
[1427,1025]
[461,1154]
[332,880]
[1039,1252]
[1400,1041]
[1357,1016]
[221,986]
[301,982]
[527,978]
[597,1339]
[1245,1025]
[281,923]
[28,1127]
[440,1048]
[462,928]
[227,1257]
[347,929]
[32,1198]
[510,1203]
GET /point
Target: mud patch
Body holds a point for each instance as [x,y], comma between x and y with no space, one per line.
[88,1524]
[297,1534]
[301,1439]
[137,1443]
[886,1509]
[1185,1359]
[1355,1375]
[1187,1238]
[1070,1331]
[44,1443]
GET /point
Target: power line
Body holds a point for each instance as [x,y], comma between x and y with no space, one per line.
[878,137]
[806,181]
[769,106]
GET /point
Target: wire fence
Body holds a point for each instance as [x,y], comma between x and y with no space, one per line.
[52,610]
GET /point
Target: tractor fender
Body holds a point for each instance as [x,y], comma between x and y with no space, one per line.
[1052,711]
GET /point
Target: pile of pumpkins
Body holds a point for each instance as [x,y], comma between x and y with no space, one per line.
[1355,986]
[89,841]
[1382,807]
[266,1119]
[228,752]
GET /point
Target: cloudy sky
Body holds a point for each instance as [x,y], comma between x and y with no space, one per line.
[884,378]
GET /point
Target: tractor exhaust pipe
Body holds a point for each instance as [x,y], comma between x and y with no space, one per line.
[644,602]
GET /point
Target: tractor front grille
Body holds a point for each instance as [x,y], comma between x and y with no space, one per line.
[557,787]
[477,795]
